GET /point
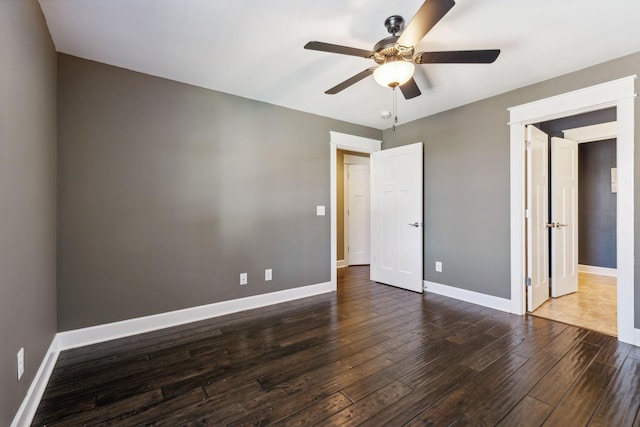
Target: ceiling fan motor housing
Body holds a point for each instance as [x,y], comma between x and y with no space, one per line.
[388,48]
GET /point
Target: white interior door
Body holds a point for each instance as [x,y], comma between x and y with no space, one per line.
[538,209]
[396,217]
[564,215]
[358,177]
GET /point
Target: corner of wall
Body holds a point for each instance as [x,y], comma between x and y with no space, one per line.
[29,405]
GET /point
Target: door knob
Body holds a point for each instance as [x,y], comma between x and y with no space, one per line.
[561,225]
[552,225]
[415,224]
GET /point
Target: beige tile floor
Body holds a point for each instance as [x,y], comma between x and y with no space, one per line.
[594,306]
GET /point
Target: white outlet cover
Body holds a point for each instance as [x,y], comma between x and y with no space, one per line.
[20,363]
[320,210]
[243,278]
[268,274]
[439,266]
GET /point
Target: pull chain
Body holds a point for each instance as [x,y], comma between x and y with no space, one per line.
[395,109]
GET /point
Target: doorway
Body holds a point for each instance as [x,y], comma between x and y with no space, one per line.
[592,300]
[619,94]
[396,206]
[357,144]
[353,208]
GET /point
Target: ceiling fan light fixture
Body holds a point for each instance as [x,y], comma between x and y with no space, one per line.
[394,73]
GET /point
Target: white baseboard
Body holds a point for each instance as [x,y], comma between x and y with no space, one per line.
[95,334]
[484,300]
[602,271]
[139,325]
[342,263]
[29,406]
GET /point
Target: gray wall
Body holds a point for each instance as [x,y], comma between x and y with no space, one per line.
[596,204]
[27,196]
[167,192]
[466,159]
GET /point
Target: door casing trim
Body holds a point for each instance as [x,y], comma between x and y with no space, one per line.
[342,141]
[617,93]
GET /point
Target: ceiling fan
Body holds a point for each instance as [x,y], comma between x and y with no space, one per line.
[395,55]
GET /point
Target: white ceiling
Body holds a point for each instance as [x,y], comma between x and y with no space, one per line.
[254,48]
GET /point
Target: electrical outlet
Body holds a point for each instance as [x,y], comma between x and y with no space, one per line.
[439,266]
[243,278]
[268,275]
[20,363]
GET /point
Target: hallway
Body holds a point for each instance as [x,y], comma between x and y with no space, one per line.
[594,306]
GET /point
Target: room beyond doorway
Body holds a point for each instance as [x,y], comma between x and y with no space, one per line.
[593,307]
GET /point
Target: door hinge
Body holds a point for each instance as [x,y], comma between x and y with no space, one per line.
[528,281]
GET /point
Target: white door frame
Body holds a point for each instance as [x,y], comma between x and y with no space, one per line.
[617,93]
[347,142]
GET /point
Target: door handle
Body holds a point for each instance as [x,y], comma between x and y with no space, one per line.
[552,225]
[415,224]
[561,225]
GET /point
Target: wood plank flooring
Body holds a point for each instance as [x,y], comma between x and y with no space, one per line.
[368,354]
[594,306]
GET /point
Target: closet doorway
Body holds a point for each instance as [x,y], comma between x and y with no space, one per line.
[353,208]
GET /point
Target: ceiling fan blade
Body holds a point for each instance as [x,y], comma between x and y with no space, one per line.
[410,89]
[458,57]
[427,17]
[350,81]
[334,48]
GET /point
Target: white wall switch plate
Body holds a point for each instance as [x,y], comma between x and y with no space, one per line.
[243,278]
[320,210]
[268,274]
[439,266]
[20,363]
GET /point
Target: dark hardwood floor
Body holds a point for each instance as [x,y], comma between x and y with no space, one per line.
[369,354]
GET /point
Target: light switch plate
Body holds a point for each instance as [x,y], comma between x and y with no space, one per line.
[320,210]
[268,274]
[439,266]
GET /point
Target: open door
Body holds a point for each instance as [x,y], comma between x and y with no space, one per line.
[396,217]
[564,215]
[538,209]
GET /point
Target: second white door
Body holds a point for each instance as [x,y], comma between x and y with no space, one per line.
[564,216]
